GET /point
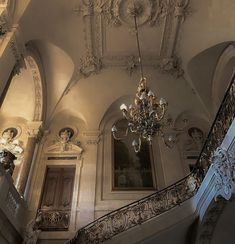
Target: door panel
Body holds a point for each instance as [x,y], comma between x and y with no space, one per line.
[56,198]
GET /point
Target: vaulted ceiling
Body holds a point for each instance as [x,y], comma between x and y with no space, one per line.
[89,54]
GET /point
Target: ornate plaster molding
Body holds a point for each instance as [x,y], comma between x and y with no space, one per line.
[90,65]
[38,108]
[118,12]
[10,143]
[102,14]
[171,66]
[65,144]
[182,10]
[18,49]
[224,169]
[4,27]
[131,64]
[6,16]
[34,130]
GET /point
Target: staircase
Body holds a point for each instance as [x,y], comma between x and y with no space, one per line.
[183,202]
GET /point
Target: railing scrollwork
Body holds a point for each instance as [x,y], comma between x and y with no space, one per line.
[138,212]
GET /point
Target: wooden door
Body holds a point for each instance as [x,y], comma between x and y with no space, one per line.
[56,198]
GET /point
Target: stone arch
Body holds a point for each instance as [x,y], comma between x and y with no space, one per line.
[113,112]
[33,62]
[201,69]
[27,82]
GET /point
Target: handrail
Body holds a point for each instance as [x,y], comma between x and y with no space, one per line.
[223,119]
[138,212]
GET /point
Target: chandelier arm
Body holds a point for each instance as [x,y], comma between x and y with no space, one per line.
[159,118]
[121,137]
[138,46]
[132,129]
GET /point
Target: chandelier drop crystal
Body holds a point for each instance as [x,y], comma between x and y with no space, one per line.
[145,117]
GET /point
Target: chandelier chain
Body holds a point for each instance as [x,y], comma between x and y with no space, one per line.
[138,46]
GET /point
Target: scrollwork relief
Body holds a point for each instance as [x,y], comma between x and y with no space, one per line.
[38,89]
[9,142]
[90,65]
[224,169]
[182,9]
[64,142]
[131,64]
[6,15]
[3,24]
[98,16]
[171,66]
[118,12]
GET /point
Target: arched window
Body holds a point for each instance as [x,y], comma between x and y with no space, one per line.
[131,171]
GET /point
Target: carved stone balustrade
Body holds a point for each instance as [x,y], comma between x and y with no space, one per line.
[12,206]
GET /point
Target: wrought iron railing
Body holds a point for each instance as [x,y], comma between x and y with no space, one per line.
[219,128]
[138,212]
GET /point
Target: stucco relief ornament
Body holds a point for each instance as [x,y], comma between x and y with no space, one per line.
[171,66]
[131,64]
[10,144]
[64,142]
[4,26]
[90,65]
[117,12]
[224,169]
[182,9]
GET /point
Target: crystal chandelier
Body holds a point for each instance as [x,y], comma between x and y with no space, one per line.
[145,117]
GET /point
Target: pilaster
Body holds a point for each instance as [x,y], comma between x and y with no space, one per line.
[88,178]
[33,131]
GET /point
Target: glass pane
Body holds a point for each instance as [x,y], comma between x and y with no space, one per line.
[131,171]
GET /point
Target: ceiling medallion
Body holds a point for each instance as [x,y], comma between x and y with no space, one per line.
[120,11]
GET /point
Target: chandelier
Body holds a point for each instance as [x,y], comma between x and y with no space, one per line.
[146,117]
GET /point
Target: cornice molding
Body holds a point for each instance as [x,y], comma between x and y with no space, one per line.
[92,137]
